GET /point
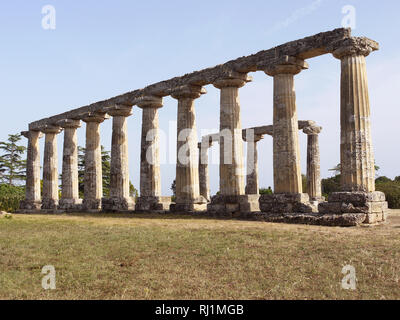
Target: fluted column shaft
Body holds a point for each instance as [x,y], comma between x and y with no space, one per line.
[231,168]
[252,180]
[93,177]
[313,163]
[33,200]
[50,169]
[204,177]
[70,180]
[287,170]
[356,152]
[150,178]
[187,170]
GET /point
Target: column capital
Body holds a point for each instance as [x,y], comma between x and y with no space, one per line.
[233,79]
[353,46]
[49,128]
[27,134]
[69,123]
[188,91]
[312,130]
[149,102]
[98,117]
[119,110]
[286,65]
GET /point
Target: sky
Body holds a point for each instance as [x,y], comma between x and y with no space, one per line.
[100,49]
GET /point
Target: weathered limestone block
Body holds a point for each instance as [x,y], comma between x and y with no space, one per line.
[120,199]
[372,204]
[153,204]
[233,205]
[50,169]
[70,183]
[286,203]
[287,171]
[93,190]
[33,200]
[188,196]
[313,163]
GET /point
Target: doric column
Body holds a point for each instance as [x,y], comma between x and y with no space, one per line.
[187,170]
[287,171]
[252,181]
[120,199]
[50,168]
[70,183]
[150,177]
[204,177]
[356,153]
[231,143]
[313,163]
[93,178]
[33,200]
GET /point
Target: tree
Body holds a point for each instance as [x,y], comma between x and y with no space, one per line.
[12,166]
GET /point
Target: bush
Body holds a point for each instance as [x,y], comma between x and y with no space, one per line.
[266,190]
[392,191]
[10,197]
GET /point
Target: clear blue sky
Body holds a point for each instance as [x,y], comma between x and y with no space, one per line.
[100,49]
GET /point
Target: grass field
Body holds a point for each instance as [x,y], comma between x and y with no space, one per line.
[179,257]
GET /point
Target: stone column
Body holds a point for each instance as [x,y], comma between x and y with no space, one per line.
[356,153]
[70,182]
[150,178]
[50,169]
[231,143]
[204,177]
[287,171]
[252,181]
[358,194]
[120,199]
[187,171]
[93,178]
[313,163]
[33,200]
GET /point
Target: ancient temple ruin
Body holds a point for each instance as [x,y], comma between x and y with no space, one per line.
[357,203]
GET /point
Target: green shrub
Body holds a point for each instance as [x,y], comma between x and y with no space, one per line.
[10,197]
[265,190]
[392,191]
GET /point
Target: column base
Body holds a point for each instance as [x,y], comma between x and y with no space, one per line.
[91,205]
[233,206]
[187,206]
[151,204]
[29,206]
[118,204]
[286,203]
[49,205]
[70,205]
[370,204]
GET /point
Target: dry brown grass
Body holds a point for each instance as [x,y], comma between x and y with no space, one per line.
[170,257]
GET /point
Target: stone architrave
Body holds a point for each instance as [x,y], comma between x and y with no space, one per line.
[150,178]
[188,196]
[93,178]
[50,169]
[120,199]
[313,163]
[33,200]
[70,183]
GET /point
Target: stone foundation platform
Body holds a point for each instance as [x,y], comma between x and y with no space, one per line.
[151,204]
[118,204]
[70,205]
[233,206]
[91,205]
[197,205]
[286,203]
[28,206]
[372,204]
